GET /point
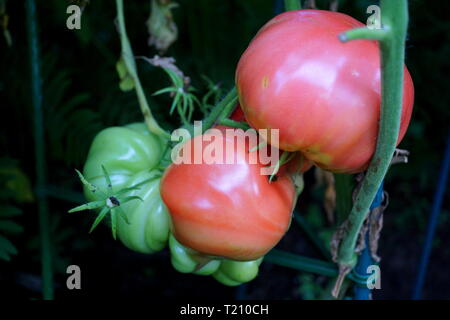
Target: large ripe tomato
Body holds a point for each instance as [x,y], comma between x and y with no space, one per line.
[323,95]
[130,155]
[226,210]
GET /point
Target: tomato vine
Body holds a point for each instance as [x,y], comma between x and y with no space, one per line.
[392,36]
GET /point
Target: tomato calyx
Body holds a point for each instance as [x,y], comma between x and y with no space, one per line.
[109,201]
[112,202]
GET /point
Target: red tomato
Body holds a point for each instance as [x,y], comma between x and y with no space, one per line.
[238,114]
[226,210]
[299,164]
[323,95]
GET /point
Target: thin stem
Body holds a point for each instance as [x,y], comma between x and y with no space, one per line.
[218,113]
[364,33]
[295,261]
[36,95]
[291,5]
[234,124]
[130,63]
[433,222]
[395,22]
[312,235]
[222,110]
[301,263]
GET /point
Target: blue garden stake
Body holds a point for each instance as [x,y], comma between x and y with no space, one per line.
[432,222]
[362,292]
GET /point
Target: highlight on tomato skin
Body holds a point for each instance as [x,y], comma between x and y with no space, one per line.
[323,95]
[227,210]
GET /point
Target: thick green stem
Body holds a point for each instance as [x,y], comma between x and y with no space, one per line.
[36,96]
[392,45]
[290,5]
[130,63]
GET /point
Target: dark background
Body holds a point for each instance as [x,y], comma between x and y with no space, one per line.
[81,96]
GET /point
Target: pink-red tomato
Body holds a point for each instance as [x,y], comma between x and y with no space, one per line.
[298,164]
[323,95]
[238,114]
[226,210]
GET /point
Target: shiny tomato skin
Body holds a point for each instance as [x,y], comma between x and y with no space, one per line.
[227,210]
[130,154]
[299,164]
[323,95]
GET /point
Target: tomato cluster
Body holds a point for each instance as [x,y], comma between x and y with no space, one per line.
[131,156]
[221,218]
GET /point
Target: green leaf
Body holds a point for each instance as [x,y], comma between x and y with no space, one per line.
[123,215]
[114,223]
[17,182]
[108,180]
[4,255]
[174,103]
[138,185]
[130,198]
[99,218]
[88,206]
[10,227]
[7,248]
[91,187]
[176,79]
[165,90]
[8,211]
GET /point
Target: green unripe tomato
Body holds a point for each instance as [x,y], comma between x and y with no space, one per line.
[149,221]
[129,154]
[224,279]
[228,272]
[123,151]
[232,273]
[185,260]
